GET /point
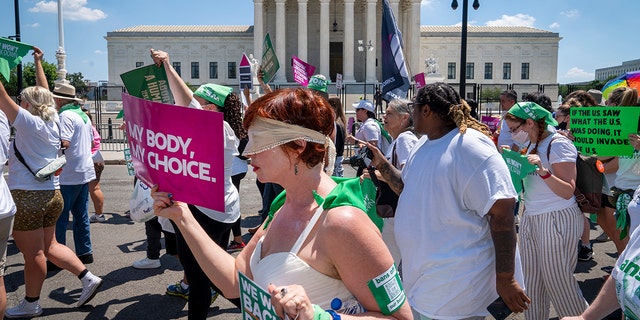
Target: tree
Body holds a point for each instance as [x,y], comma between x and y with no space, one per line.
[76,79]
[29,73]
[12,85]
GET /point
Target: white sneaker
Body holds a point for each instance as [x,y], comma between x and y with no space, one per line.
[147,263]
[97,218]
[24,310]
[90,285]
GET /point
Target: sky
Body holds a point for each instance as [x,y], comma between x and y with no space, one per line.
[595,34]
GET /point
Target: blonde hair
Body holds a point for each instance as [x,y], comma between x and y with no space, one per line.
[41,102]
[623,96]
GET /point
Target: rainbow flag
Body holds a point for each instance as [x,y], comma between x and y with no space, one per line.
[629,79]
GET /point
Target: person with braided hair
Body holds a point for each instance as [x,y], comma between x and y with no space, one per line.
[454,222]
[552,222]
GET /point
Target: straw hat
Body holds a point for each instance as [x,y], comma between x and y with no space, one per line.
[65,91]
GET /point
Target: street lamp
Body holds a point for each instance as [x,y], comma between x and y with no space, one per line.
[366,48]
[463,45]
[16,9]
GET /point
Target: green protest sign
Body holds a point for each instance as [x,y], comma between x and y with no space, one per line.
[255,301]
[11,53]
[149,83]
[270,64]
[519,167]
[604,130]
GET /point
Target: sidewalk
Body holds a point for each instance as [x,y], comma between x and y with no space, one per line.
[113,157]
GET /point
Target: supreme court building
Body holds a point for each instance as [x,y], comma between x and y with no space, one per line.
[326,34]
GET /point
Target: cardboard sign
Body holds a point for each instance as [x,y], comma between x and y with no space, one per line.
[255,302]
[519,167]
[244,70]
[11,54]
[492,122]
[604,130]
[338,81]
[149,83]
[270,64]
[302,71]
[420,81]
[179,149]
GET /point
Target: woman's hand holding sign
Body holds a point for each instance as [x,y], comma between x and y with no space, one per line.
[291,302]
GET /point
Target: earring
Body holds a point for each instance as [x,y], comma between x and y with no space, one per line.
[295,169]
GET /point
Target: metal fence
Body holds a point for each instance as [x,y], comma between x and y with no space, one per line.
[107,102]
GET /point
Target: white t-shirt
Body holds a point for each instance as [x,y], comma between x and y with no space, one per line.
[370,130]
[504,138]
[628,174]
[538,197]
[238,166]
[39,144]
[625,274]
[441,227]
[231,197]
[7,207]
[403,144]
[79,168]
[634,210]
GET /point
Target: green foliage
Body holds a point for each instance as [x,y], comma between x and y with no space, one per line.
[76,79]
[29,73]
[490,94]
[12,86]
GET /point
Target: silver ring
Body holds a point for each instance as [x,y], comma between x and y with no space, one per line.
[283,292]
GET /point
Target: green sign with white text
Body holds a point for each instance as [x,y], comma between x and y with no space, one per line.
[255,301]
[270,64]
[604,130]
[149,83]
[519,167]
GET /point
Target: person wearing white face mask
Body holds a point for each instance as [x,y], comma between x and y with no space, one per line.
[552,221]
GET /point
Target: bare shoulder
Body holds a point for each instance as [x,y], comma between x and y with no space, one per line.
[347,223]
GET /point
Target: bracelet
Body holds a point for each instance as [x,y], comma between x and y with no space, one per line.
[546,176]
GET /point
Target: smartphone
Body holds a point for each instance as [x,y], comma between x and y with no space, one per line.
[499,309]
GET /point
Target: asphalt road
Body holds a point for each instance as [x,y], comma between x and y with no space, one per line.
[129,293]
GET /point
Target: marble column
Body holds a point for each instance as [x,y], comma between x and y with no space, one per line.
[372,37]
[324,38]
[281,40]
[258,29]
[414,32]
[349,42]
[302,30]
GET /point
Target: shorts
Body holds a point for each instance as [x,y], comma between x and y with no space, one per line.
[5,231]
[36,209]
[98,167]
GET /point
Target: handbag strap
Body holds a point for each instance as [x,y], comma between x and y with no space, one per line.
[19,155]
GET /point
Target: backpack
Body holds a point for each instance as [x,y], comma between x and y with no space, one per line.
[589,181]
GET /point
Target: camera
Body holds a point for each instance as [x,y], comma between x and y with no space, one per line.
[362,158]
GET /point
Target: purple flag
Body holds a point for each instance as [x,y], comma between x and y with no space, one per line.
[302,71]
[395,77]
[179,149]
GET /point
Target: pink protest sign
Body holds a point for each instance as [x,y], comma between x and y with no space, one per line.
[492,122]
[179,149]
[302,71]
[420,81]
